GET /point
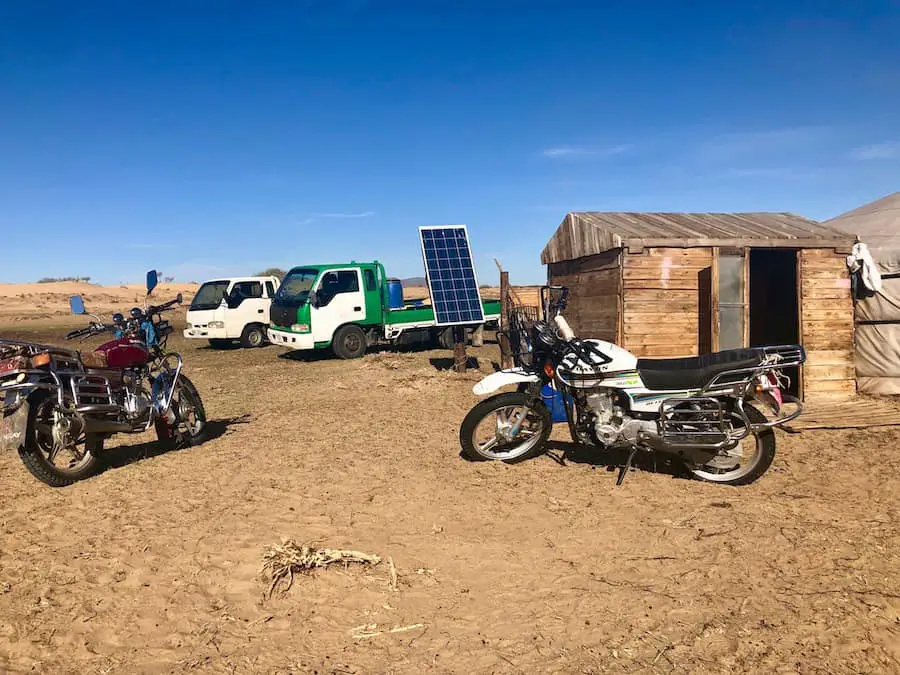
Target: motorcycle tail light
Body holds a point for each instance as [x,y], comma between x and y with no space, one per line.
[548,369]
[42,359]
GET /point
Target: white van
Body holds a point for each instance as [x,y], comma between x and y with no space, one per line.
[236,308]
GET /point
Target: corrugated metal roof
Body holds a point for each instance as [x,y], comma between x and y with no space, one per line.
[592,232]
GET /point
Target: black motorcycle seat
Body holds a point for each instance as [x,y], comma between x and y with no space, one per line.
[693,372]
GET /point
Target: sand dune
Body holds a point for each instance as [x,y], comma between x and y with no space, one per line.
[30,302]
[24,302]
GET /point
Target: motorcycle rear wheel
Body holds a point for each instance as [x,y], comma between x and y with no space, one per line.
[722,470]
[38,448]
[534,432]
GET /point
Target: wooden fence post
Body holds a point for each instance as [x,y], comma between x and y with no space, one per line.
[505,355]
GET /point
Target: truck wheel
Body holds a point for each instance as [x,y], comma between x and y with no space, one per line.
[349,342]
[252,336]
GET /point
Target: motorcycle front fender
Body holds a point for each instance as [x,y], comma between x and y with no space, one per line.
[13,427]
[502,378]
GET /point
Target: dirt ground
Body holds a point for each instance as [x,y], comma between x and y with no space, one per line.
[153,566]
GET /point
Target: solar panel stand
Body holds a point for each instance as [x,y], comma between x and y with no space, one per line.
[460,357]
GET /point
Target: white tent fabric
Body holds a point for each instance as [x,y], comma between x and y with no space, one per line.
[877,344]
[860,259]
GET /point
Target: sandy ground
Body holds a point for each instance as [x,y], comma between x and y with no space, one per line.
[153,566]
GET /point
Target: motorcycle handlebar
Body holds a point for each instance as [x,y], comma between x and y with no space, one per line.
[155,309]
[85,332]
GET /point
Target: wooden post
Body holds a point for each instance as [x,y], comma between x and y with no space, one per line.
[505,354]
[478,336]
[459,349]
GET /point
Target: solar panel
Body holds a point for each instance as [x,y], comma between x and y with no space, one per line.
[451,275]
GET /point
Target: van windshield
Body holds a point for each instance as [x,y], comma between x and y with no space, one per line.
[294,290]
[210,295]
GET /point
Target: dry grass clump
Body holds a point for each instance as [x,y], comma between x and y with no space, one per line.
[282,561]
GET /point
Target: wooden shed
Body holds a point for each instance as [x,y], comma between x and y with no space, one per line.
[682,284]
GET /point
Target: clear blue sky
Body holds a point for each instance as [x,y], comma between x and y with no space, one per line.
[218,137]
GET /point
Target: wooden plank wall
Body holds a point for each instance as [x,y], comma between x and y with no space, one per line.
[826,325]
[594,283]
[666,301]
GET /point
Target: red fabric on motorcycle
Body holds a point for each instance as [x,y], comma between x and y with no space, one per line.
[693,372]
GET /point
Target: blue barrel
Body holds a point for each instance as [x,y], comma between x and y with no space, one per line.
[395,294]
[554,401]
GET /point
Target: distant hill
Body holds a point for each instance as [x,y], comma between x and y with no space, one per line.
[414,282]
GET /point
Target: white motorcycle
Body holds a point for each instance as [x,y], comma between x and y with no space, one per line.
[704,410]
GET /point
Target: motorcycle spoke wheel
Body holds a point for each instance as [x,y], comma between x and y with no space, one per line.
[494,437]
[742,462]
[66,456]
[54,458]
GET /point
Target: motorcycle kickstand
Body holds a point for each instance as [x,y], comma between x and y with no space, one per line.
[624,469]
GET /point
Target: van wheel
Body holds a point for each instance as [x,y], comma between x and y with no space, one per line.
[349,342]
[252,336]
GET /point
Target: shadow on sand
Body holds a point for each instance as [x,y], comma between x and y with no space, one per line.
[565,453]
[120,457]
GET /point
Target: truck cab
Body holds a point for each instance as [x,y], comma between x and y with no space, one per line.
[349,307]
[232,308]
[329,306]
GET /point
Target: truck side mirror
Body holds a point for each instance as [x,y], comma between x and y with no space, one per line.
[313,299]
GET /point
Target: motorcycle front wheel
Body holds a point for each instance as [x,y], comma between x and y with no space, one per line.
[486,431]
[190,423]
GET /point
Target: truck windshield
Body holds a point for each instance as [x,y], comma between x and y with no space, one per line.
[294,290]
[210,295]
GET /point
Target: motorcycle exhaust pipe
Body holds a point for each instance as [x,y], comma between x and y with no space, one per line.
[94,426]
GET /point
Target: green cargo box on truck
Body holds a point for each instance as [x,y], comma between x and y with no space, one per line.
[349,307]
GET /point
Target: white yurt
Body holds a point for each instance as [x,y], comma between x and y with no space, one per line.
[876,292]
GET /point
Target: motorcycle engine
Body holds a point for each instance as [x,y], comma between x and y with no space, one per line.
[137,401]
[611,424]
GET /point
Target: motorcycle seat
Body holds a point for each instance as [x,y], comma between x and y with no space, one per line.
[93,360]
[693,372]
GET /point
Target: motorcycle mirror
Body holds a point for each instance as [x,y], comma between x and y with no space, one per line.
[76,304]
[152,281]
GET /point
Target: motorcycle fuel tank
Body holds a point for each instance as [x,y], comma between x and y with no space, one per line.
[124,353]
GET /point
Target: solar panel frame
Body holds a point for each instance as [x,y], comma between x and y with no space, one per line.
[444,313]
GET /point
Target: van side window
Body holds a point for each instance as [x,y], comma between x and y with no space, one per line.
[247,289]
[270,289]
[370,279]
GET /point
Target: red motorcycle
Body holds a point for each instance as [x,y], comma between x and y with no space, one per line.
[60,405]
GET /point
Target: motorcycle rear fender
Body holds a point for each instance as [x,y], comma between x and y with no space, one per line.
[502,378]
[13,426]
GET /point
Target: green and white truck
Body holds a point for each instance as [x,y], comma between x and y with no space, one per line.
[350,307]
